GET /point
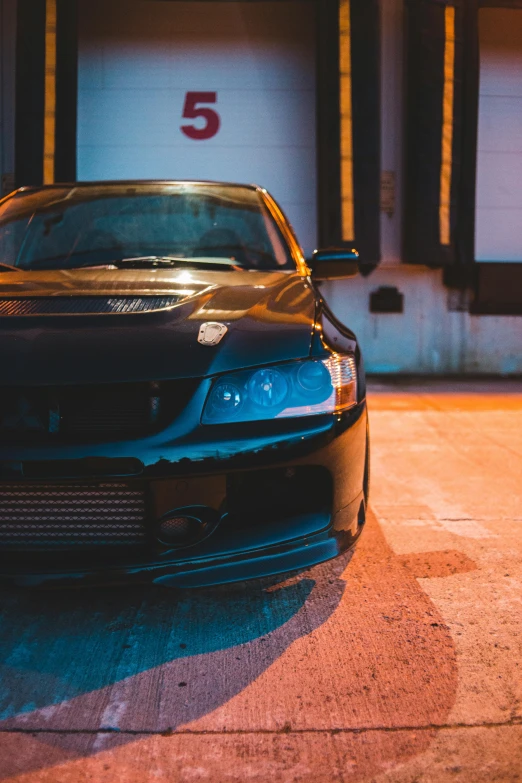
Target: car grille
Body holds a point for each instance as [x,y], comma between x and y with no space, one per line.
[68,515]
[85,305]
[94,412]
[106,410]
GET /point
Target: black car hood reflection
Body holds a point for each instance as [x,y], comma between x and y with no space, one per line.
[269,316]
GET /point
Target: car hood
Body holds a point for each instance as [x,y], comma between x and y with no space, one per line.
[62,338]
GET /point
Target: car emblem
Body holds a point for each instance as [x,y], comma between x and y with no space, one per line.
[211,333]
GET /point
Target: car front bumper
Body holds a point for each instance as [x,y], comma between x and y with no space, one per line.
[286,495]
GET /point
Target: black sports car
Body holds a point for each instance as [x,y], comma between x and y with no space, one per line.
[177,402]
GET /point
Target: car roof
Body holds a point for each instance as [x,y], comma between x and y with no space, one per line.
[137,182]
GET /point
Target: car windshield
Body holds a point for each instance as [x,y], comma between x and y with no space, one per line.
[66,227]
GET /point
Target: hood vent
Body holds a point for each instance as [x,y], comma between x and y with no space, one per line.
[85,305]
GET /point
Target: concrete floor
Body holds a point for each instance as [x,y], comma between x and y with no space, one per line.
[400,664]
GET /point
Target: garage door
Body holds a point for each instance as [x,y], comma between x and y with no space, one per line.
[499,160]
[201,90]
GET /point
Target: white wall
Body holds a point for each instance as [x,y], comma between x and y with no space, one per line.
[137,62]
[430,336]
[427,337]
[499,153]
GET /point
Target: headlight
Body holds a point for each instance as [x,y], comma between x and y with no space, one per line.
[306,388]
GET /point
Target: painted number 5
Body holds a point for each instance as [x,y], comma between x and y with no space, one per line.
[193,110]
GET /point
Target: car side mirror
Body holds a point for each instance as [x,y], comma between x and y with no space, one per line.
[334,264]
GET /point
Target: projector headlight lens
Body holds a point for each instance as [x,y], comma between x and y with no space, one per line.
[267,388]
[304,388]
[312,376]
[226,398]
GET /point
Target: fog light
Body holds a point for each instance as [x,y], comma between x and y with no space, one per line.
[180,530]
[186,526]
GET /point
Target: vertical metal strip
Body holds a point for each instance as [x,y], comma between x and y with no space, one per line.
[447,126]
[345,73]
[50,92]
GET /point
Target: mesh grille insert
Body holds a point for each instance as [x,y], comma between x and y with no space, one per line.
[84,305]
[67,515]
[96,411]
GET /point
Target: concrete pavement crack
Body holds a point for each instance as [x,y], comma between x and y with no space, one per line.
[189,732]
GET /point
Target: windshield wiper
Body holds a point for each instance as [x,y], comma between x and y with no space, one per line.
[134,261]
[167,260]
[173,260]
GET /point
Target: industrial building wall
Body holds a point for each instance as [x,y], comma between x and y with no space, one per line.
[435,333]
[499,159]
[7,95]
[144,67]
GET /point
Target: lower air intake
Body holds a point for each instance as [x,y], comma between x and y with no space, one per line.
[71,515]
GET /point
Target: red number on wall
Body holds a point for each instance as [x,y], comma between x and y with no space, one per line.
[192,111]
